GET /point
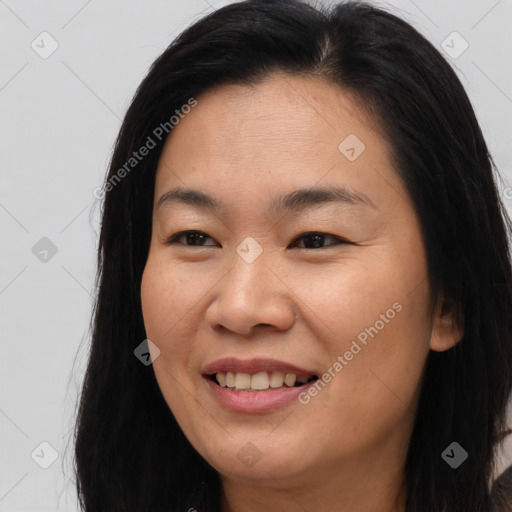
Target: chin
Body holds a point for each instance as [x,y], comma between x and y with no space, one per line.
[258,459]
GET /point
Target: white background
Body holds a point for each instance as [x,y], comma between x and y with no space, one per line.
[60,116]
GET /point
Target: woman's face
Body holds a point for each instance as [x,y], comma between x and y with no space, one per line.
[287,277]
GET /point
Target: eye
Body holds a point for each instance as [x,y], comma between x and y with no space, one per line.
[194,237]
[315,239]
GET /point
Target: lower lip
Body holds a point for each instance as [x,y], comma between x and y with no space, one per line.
[257,401]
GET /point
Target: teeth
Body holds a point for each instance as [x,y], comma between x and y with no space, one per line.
[277,380]
[230,380]
[259,381]
[242,381]
[290,379]
[221,378]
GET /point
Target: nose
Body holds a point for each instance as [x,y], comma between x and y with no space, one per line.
[250,296]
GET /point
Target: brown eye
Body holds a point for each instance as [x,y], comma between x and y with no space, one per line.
[311,240]
[192,238]
[315,240]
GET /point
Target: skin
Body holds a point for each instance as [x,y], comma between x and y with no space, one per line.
[345,449]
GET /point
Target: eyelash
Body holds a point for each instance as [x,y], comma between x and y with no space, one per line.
[172,239]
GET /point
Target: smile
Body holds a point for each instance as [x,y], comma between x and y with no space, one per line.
[256,386]
[261,381]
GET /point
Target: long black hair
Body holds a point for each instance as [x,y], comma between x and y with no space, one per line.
[130,454]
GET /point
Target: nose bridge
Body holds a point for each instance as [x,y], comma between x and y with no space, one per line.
[251,294]
[249,268]
[248,282]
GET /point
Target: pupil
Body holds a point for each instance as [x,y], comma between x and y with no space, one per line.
[317,241]
[194,236]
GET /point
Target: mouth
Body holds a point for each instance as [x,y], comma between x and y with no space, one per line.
[256,385]
[260,381]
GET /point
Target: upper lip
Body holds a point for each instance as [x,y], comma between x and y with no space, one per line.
[231,364]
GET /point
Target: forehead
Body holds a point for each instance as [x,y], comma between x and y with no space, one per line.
[281,112]
[284,133]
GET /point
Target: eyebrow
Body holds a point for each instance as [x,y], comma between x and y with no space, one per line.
[297,200]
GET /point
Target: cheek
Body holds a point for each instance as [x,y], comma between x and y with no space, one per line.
[377,321]
[166,295]
[163,310]
[341,303]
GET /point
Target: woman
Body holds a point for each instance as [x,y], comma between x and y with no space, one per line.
[302,232]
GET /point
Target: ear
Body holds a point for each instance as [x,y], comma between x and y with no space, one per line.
[446,332]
